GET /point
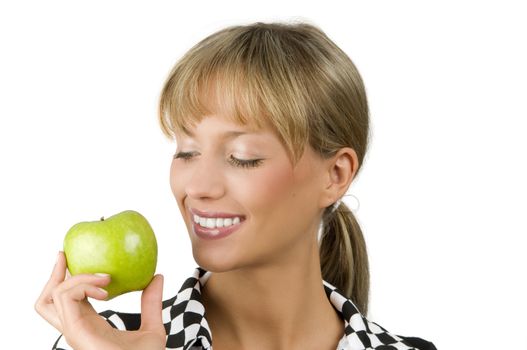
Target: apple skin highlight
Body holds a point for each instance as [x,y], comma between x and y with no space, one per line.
[123,246]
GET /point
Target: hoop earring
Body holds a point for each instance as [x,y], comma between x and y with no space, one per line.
[356,208]
[335,206]
[337,203]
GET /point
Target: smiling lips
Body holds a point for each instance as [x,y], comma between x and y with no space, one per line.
[214,224]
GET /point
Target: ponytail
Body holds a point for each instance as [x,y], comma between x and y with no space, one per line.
[343,256]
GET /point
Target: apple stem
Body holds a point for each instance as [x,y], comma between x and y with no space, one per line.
[102,218]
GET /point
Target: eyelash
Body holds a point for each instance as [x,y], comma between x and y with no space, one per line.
[243,163]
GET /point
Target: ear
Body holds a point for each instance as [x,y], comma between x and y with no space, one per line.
[340,171]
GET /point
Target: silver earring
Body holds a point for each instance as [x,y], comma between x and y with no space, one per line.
[356,207]
[335,205]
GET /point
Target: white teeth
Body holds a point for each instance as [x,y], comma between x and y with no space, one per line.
[211,223]
[216,222]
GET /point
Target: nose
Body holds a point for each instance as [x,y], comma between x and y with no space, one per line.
[206,180]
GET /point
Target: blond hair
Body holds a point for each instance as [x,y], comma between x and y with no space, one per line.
[293,78]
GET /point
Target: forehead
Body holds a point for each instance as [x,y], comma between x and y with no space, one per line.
[218,126]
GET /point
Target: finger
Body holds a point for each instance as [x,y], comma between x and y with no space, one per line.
[81,292]
[57,294]
[69,300]
[151,306]
[44,305]
[97,279]
[50,314]
[56,277]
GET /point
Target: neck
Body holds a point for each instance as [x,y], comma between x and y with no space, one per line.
[277,306]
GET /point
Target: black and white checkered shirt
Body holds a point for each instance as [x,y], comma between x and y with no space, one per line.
[187,328]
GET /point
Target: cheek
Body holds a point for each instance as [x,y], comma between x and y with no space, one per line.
[282,200]
[176,180]
[172,179]
[267,190]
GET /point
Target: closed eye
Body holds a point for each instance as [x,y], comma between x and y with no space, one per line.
[184,155]
[245,163]
[242,163]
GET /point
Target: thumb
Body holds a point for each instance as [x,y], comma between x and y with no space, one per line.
[151,306]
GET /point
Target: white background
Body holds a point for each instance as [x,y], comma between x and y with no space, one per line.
[442,191]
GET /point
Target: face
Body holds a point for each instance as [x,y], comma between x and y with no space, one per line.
[252,206]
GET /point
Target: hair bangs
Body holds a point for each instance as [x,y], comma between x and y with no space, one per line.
[248,77]
[196,93]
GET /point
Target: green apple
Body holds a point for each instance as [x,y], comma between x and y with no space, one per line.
[123,245]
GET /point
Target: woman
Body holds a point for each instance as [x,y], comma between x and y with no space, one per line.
[271,124]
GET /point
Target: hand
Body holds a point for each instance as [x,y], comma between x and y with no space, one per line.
[64,304]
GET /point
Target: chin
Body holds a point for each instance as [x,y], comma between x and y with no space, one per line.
[215,262]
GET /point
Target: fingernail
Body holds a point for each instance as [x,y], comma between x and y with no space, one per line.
[102,274]
[104,293]
[57,259]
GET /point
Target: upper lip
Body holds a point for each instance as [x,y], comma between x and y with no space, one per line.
[214,214]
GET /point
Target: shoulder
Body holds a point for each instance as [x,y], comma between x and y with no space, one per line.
[362,333]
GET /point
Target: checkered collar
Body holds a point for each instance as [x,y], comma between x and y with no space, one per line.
[188,328]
